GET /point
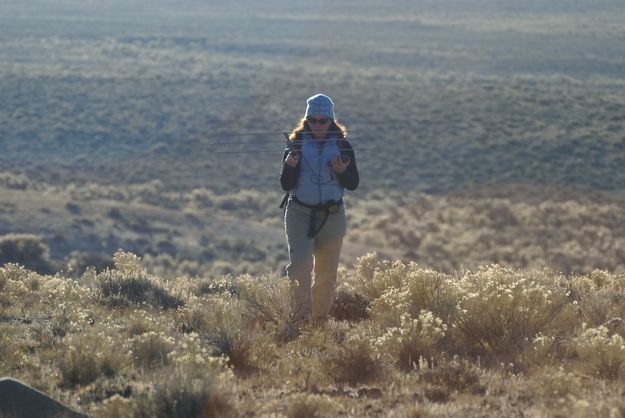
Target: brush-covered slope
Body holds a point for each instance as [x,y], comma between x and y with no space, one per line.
[402,341]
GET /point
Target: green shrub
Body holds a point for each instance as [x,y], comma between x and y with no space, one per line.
[374,276]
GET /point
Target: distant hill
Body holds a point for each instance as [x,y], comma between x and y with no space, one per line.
[446,95]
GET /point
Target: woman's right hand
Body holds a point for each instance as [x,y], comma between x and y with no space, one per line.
[292,159]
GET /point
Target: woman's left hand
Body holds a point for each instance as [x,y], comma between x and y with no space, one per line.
[338,165]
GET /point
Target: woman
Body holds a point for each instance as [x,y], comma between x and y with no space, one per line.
[318,165]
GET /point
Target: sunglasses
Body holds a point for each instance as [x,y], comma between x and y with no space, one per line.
[317,121]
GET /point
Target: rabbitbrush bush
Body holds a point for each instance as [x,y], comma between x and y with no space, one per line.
[128,283]
[502,310]
[374,276]
[601,353]
[601,298]
[495,313]
[414,339]
[410,289]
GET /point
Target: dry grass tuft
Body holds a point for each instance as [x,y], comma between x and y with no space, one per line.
[78,368]
[455,376]
[437,394]
[600,297]
[414,411]
[223,325]
[354,362]
[60,323]
[309,406]
[236,345]
[86,359]
[266,299]
[178,395]
[551,385]
[138,324]
[151,349]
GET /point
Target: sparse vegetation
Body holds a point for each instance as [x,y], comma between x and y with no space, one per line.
[447,350]
[309,406]
[184,394]
[519,225]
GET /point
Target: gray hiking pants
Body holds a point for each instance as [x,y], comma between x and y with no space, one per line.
[313,299]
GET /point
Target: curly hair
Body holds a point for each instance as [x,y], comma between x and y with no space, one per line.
[302,126]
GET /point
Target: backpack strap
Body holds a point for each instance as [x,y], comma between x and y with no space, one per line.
[284,200]
[286,196]
[290,145]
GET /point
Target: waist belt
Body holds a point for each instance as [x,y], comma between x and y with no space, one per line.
[329,208]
